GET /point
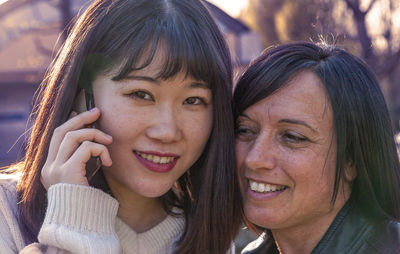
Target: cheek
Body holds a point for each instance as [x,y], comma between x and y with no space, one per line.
[240,150]
[314,175]
[122,125]
[198,128]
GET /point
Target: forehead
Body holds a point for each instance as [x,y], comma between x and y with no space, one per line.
[302,98]
[157,61]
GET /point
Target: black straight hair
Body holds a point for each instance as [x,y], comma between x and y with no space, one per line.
[364,134]
[118,34]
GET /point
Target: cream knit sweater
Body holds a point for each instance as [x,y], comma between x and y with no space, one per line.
[82,219]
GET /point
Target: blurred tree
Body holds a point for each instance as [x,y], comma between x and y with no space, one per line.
[368,28]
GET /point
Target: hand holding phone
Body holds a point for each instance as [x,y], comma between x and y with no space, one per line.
[92,167]
[75,150]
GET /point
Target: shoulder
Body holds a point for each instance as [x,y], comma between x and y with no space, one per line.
[10,235]
[260,245]
[386,237]
[8,188]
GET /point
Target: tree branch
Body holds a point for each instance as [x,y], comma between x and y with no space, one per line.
[371,4]
[353,6]
[390,65]
[363,37]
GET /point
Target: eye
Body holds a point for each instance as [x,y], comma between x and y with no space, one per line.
[140,94]
[194,101]
[245,133]
[294,137]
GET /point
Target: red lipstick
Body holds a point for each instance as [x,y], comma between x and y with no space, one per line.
[157,167]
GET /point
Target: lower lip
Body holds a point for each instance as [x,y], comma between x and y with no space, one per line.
[259,196]
[156,167]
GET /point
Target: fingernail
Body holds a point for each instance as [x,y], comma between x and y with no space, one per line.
[93,109]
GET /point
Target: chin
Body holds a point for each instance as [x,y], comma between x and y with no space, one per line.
[152,192]
[264,219]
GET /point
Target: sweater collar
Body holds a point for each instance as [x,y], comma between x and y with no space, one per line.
[159,239]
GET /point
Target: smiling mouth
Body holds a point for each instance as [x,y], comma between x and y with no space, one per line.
[265,188]
[155,158]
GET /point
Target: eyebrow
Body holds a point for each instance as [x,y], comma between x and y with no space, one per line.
[194,84]
[297,122]
[291,121]
[144,78]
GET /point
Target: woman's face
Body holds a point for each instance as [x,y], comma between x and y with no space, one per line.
[159,127]
[286,153]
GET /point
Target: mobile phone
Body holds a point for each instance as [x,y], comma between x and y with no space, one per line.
[94,164]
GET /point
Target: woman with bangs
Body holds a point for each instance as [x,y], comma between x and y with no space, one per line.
[123,154]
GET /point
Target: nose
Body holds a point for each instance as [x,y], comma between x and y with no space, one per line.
[165,126]
[262,153]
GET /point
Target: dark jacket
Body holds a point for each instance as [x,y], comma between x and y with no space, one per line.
[352,232]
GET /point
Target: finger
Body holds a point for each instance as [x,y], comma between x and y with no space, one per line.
[89,149]
[73,140]
[77,122]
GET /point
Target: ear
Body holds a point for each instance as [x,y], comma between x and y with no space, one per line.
[80,103]
[350,172]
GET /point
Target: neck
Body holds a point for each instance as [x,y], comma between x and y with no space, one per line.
[138,212]
[297,241]
[302,239]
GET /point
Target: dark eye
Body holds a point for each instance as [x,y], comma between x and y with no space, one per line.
[292,137]
[245,133]
[194,101]
[141,95]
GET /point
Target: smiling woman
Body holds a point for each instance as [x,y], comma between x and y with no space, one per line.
[159,74]
[318,167]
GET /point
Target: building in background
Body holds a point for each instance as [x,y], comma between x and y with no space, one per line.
[29,37]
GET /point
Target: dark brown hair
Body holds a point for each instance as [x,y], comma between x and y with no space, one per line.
[364,134]
[116,33]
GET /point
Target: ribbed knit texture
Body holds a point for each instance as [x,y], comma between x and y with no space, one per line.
[11,240]
[82,220]
[155,240]
[84,208]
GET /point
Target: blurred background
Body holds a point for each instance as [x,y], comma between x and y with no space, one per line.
[31,31]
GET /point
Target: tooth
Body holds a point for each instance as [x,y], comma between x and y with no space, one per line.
[163,160]
[260,187]
[273,187]
[156,159]
[253,186]
[267,187]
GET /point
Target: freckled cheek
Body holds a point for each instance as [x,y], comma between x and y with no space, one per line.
[240,151]
[118,124]
[196,128]
[198,131]
[312,178]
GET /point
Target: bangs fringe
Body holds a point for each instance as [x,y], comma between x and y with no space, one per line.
[184,51]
